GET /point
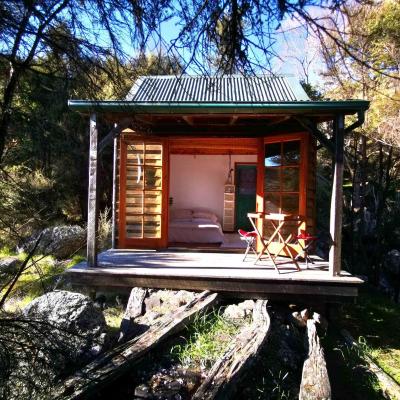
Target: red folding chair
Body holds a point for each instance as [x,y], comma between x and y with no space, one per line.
[308,240]
[250,238]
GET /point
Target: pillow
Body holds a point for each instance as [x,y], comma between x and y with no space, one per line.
[203,220]
[181,214]
[205,215]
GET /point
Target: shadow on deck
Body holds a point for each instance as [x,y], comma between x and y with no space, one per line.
[216,271]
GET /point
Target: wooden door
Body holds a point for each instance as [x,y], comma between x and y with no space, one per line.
[283,179]
[245,183]
[143,209]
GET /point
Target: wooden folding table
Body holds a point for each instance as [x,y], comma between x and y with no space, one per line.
[278,221]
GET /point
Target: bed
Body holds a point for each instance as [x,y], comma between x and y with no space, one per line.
[194,226]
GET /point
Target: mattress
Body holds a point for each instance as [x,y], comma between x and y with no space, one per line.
[204,231]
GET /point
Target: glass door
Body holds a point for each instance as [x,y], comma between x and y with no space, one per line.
[142,221]
[284,182]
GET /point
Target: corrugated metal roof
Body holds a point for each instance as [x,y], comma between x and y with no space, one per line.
[216,89]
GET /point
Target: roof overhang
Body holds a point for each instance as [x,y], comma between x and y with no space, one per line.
[300,107]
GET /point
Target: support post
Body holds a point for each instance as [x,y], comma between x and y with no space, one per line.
[92,195]
[114,195]
[337,199]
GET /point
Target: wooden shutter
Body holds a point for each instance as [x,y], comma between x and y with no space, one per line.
[143,205]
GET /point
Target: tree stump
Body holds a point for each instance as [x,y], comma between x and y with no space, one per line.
[315,383]
[227,372]
[134,309]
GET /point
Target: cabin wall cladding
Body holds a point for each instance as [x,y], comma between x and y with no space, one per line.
[311,185]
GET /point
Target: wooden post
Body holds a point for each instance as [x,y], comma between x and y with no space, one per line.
[92,195]
[337,199]
[114,195]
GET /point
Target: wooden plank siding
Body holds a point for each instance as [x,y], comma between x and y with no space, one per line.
[311,209]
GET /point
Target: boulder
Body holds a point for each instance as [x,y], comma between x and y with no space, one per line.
[9,266]
[59,241]
[234,312]
[392,262]
[239,311]
[78,325]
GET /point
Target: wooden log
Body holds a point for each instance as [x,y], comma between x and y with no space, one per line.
[103,370]
[92,195]
[389,386]
[134,309]
[336,213]
[228,371]
[315,383]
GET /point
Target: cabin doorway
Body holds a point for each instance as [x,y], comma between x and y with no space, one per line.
[246,190]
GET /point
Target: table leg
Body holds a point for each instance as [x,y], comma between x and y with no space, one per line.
[285,245]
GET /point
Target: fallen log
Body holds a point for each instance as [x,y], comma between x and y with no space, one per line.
[315,383]
[112,364]
[389,386]
[134,309]
[227,372]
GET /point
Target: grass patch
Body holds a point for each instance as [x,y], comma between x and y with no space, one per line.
[374,322]
[41,275]
[349,375]
[6,252]
[113,316]
[76,259]
[207,339]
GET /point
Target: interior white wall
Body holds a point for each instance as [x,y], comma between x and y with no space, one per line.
[198,180]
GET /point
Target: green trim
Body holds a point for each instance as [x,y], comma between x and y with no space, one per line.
[350,106]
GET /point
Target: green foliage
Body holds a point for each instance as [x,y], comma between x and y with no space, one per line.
[351,373]
[113,316]
[76,259]
[372,72]
[375,324]
[312,92]
[41,275]
[43,181]
[208,338]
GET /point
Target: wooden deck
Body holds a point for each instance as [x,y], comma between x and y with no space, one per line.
[217,271]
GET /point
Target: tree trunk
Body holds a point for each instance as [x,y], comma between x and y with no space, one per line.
[108,367]
[315,383]
[226,374]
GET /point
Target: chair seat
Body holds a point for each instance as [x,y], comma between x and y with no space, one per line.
[247,234]
[306,236]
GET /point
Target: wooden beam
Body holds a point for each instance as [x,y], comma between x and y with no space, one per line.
[208,145]
[279,120]
[233,119]
[312,128]
[188,120]
[92,194]
[230,370]
[336,214]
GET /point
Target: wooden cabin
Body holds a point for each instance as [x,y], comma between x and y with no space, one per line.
[193,157]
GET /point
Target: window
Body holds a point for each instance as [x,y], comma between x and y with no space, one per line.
[282,177]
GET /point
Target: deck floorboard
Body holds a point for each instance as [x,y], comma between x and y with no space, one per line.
[199,270]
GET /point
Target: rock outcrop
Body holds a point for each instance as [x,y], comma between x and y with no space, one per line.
[78,325]
[59,241]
